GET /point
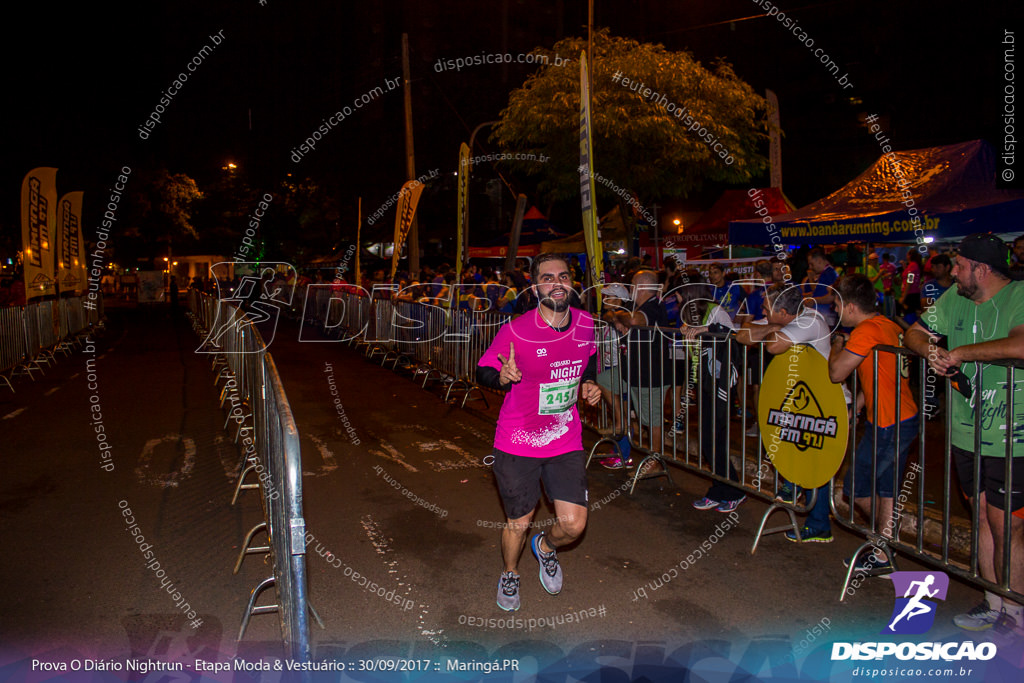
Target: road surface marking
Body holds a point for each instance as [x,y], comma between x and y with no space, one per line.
[165,480]
[382,544]
[15,413]
[464,460]
[393,454]
[330,464]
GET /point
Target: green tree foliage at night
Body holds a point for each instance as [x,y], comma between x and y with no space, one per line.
[638,143]
[158,214]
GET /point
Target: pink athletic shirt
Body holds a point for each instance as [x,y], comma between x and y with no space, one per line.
[538,417]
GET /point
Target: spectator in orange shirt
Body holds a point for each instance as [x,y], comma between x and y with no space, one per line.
[855,303]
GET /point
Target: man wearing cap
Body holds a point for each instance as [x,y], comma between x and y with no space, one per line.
[982,317]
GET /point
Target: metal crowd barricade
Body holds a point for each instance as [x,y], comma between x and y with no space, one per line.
[435,343]
[655,368]
[12,343]
[30,335]
[921,528]
[662,366]
[274,456]
[33,348]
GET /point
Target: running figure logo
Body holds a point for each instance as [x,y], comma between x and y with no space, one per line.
[256,300]
[916,593]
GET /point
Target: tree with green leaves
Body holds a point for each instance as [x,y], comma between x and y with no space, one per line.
[643,142]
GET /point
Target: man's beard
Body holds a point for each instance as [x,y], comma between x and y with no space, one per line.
[559,306]
[967,290]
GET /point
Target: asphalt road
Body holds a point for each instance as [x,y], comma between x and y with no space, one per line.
[395,490]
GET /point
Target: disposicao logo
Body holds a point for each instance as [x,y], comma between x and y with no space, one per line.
[916,596]
[913,614]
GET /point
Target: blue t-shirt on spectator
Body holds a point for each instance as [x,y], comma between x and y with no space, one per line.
[753,303]
[827,279]
[729,297]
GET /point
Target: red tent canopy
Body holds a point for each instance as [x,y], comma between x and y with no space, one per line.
[734,205]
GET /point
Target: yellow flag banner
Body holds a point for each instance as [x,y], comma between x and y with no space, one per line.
[802,416]
[70,249]
[408,198]
[38,218]
[595,263]
[461,219]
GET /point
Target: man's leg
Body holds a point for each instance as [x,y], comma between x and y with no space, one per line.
[986,543]
[983,616]
[998,539]
[570,521]
[513,537]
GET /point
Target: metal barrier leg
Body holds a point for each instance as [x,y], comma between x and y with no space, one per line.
[483,396]
[764,520]
[593,449]
[643,472]
[312,610]
[240,486]
[251,608]
[246,550]
[870,573]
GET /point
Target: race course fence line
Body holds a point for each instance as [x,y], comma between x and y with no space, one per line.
[255,400]
[31,336]
[659,373]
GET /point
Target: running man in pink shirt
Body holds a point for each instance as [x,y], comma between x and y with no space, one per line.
[546,360]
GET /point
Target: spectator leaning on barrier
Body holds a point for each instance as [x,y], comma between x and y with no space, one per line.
[982,317]
[545,359]
[753,310]
[616,306]
[647,368]
[717,376]
[856,302]
[789,322]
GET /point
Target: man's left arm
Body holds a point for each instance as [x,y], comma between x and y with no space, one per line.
[1009,347]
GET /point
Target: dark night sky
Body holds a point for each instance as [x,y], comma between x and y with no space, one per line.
[82,81]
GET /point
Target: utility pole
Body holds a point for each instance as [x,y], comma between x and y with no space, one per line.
[469,169]
[410,157]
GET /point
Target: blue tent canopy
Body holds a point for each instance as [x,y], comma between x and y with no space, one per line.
[950,189]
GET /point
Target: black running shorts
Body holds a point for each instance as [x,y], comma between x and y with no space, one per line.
[519,479]
[993,475]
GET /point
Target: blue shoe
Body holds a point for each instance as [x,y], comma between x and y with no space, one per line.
[788,493]
[809,535]
[870,564]
[730,505]
[706,503]
[508,591]
[550,570]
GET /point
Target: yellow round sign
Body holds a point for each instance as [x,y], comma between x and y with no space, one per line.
[803,418]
